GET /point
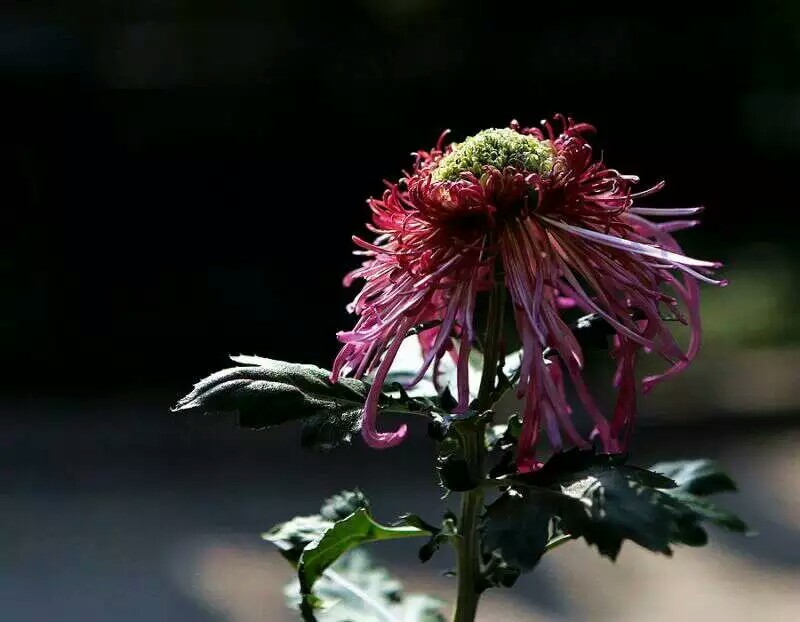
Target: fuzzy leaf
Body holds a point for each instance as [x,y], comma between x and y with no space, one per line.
[267,392]
[293,536]
[355,590]
[343,504]
[325,432]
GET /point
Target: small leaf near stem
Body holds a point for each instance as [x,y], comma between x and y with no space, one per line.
[354,589]
[356,529]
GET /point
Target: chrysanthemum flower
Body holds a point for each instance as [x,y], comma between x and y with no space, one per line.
[540,210]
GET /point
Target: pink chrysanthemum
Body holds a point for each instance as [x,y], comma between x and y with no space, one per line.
[566,233]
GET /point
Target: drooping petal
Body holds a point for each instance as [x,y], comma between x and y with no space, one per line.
[568,235]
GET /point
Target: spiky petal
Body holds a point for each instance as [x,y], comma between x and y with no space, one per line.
[564,231]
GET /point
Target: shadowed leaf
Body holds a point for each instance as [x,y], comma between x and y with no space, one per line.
[614,502]
[697,477]
[517,528]
[267,392]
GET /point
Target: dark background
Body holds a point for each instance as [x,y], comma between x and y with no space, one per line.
[180,181]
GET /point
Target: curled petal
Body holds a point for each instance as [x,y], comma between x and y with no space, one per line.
[373,438]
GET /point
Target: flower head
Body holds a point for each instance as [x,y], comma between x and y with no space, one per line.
[562,230]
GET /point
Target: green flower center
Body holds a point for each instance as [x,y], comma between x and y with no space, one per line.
[498,148]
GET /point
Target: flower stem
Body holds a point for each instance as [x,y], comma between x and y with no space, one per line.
[468,551]
[468,546]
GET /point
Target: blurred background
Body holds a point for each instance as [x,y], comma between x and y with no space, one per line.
[180,182]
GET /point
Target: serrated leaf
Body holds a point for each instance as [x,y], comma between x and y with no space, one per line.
[355,590]
[439,535]
[455,474]
[354,530]
[293,536]
[647,477]
[343,504]
[625,502]
[562,465]
[697,477]
[615,501]
[267,392]
[707,511]
[619,507]
[517,528]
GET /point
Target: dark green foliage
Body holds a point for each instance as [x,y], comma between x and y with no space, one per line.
[266,393]
[314,543]
[516,528]
[579,494]
[439,535]
[697,477]
[356,529]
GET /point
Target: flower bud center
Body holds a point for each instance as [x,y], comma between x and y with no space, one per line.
[498,148]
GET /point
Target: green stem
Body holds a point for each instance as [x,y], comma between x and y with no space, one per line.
[468,550]
[468,546]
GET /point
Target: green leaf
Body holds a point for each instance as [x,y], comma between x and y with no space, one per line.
[326,432]
[647,477]
[697,477]
[342,505]
[355,590]
[618,507]
[455,473]
[358,528]
[707,511]
[615,502]
[293,536]
[517,528]
[267,392]
[439,535]
[313,543]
